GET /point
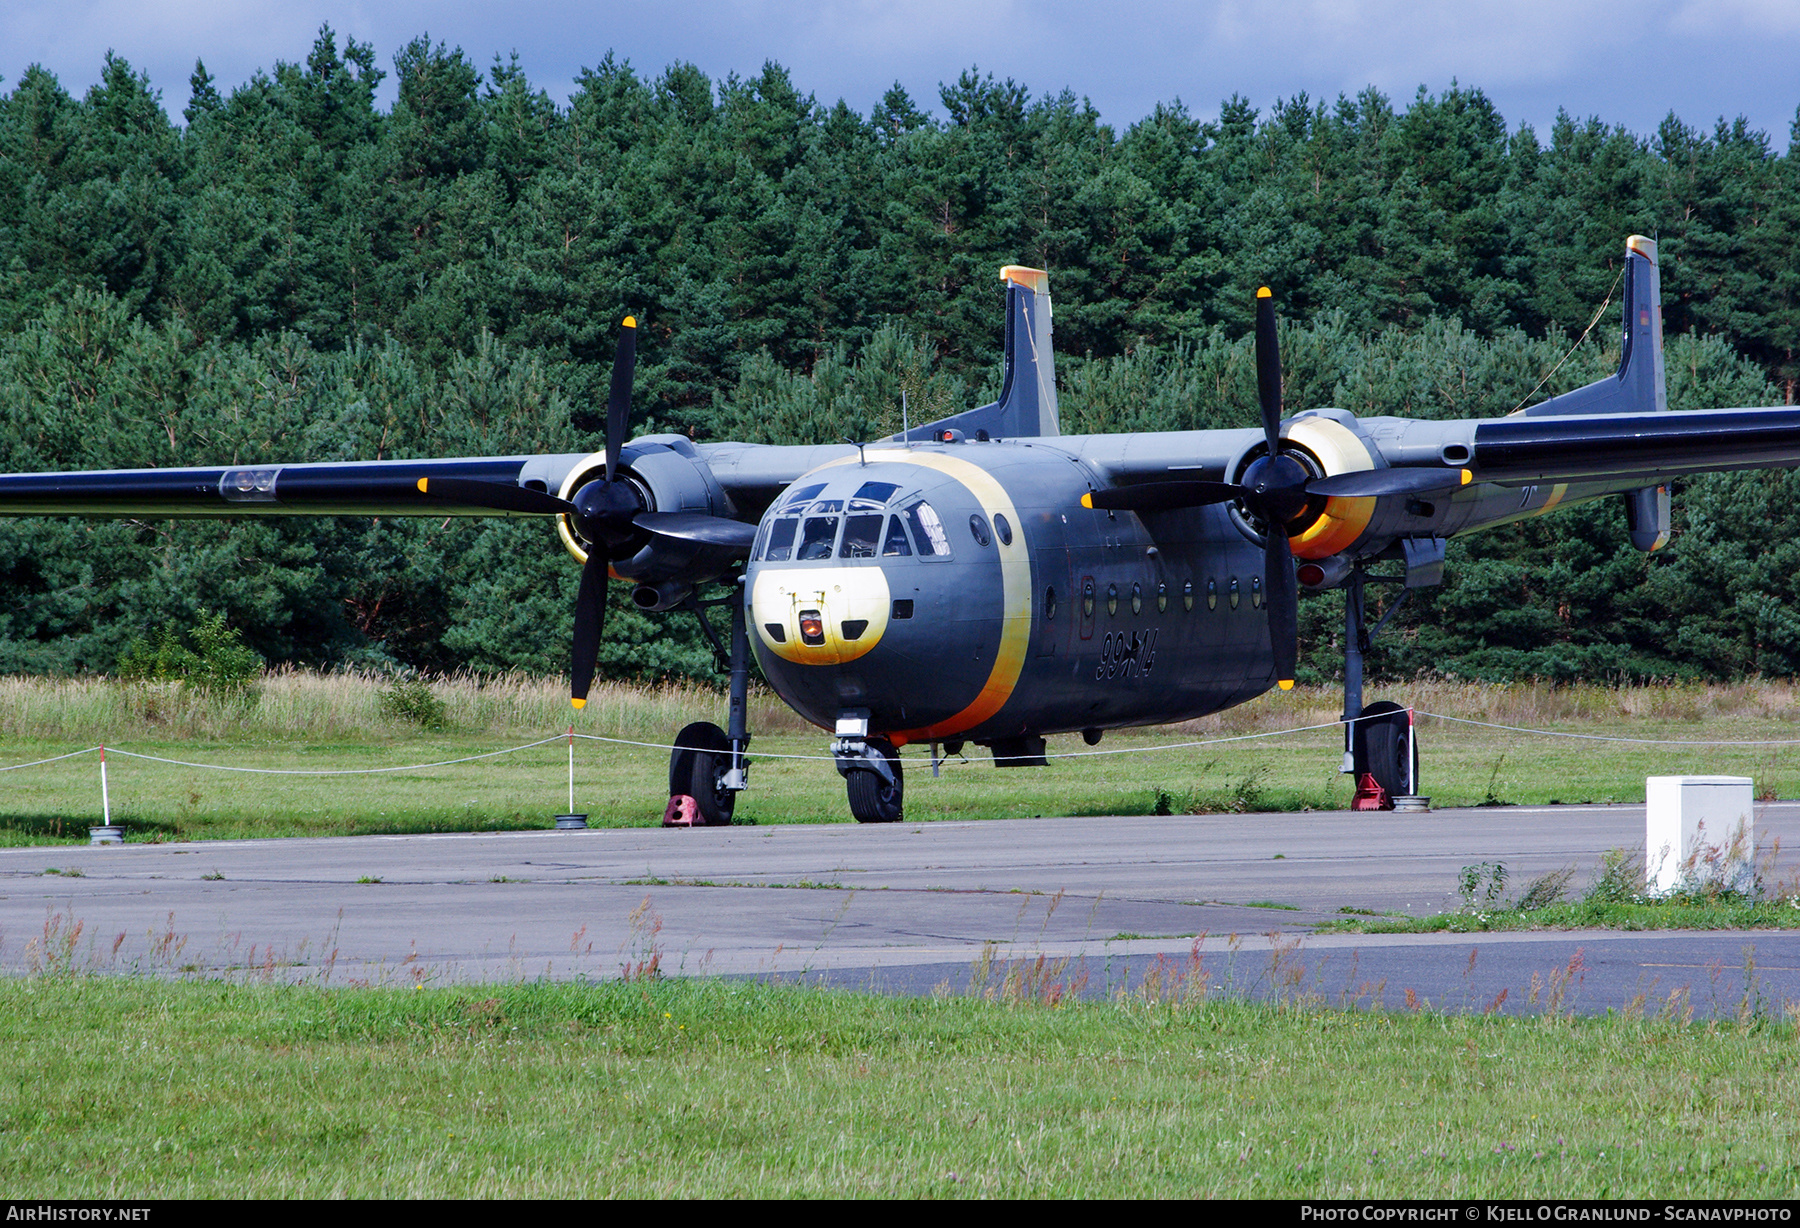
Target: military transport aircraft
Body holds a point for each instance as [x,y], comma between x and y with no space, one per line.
[987,579]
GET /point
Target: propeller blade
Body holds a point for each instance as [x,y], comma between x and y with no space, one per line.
[500,496]
[1372,483]
[1268,369]
[698,527]
[1283,598]
[590,620]
[1162,496]
[618,400]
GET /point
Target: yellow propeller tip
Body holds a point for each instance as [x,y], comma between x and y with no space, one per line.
[577,704]
[1286,684]
[1264,292]
[422,489]
[1467,477]
[630,321]
[1087,500]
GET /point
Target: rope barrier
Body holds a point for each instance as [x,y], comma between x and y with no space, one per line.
[13,767]
[571,737]
[1596,737]
[409,767]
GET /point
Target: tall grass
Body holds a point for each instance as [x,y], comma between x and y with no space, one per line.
[1530,704]
[302,704]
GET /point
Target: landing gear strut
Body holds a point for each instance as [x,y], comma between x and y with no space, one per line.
[708,767]
[1380,751]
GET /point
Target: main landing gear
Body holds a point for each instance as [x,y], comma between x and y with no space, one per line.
[1380,751]
[708,767]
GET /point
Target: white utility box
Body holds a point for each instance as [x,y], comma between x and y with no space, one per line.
[1699,830]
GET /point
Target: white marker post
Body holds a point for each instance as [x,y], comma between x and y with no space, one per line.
[106,833]
[571,821]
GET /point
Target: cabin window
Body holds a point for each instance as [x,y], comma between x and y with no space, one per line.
[928,531]
[894,545]
[1003,528]
[1087,599]
[781,540]
[1256,591]
[1233,593]
[862,533]
[872,495]
[1112,599]
[978,529]
[817,537]
[1137,599]
[1050,603]
[1162,597]
[1212,594]
[903,607]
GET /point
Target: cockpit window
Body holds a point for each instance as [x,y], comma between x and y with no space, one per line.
[895,543]
[827,505]
[804,494]
[817,537]
[928,531]
[862,533]
[781,539]
[871,496]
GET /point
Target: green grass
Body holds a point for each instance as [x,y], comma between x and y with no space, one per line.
[1773,914]
[134,1087]
[338,723]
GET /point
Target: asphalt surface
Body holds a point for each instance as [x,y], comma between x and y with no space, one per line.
[906,908]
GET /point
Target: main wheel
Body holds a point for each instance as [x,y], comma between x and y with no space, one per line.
[873,799]
[1390,754]
[697,767]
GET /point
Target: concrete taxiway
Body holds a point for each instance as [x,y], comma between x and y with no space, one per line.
[901,908]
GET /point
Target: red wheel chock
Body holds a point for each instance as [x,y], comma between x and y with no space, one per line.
[683,811]
[1369,795]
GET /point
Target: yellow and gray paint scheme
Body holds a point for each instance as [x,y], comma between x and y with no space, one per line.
[1085,619]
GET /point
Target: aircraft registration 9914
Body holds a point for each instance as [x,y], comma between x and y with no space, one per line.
[986,579]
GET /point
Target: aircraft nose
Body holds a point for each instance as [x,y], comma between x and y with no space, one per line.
[820,616]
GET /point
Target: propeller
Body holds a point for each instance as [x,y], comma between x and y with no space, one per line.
[1276,488]
[607,512]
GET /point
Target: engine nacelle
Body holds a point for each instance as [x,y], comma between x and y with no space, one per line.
[667,475]
[1326,444]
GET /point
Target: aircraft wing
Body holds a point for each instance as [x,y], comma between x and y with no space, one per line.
[361,488]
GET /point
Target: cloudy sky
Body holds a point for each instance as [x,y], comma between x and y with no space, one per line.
[1629,63]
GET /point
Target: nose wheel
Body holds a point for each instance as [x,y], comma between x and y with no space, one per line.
[873,780]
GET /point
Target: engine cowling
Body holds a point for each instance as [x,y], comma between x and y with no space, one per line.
[664,473]
[1324,446]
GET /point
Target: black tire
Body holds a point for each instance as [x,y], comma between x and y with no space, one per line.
[872,799]
[697,767]
[1390,753]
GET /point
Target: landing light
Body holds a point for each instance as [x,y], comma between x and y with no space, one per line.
[812,628]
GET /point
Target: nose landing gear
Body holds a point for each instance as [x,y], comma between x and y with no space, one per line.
[872,776]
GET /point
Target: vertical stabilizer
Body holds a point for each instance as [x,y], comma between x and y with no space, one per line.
[1027,404]
[1639,386]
